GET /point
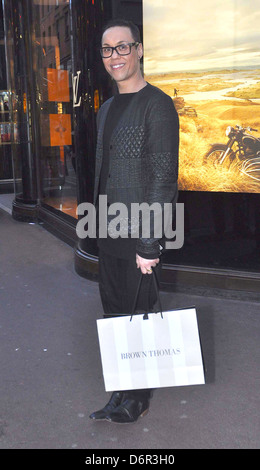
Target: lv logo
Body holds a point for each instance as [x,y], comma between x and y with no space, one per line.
[75,85]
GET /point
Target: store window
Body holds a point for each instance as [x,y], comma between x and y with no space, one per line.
[213,80]
[6,173]
[5,139]
[54,86]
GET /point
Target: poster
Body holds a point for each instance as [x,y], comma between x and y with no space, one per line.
[206,56]
[60,129]
[58,85]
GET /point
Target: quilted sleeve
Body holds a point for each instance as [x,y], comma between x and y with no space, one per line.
[161,166]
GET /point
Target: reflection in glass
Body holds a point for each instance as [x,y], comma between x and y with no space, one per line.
[5,138]
[53,69]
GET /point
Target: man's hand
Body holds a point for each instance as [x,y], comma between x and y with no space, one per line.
[146,265]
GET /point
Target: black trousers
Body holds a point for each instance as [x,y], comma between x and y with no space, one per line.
[118,283]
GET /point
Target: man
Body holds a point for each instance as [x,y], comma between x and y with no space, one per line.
[136,162]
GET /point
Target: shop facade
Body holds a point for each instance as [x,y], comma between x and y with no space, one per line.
[55,86]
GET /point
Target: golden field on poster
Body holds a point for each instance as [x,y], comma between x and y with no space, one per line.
[204,122]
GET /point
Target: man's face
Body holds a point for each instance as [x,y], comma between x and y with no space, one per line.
[125,67]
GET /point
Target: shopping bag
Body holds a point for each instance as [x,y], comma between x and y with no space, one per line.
[152,351]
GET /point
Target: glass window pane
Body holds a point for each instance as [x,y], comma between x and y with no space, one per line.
[5,139]
[53,58]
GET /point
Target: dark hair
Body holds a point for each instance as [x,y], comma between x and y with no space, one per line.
[126,24]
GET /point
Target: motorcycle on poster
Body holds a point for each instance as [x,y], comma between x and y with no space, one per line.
[242,150]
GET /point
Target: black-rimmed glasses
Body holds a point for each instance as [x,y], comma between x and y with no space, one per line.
[122,49]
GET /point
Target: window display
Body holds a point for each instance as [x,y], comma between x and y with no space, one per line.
[52,50]
[206,57]
[6,172]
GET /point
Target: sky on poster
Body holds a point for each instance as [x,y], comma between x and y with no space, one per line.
[190,35]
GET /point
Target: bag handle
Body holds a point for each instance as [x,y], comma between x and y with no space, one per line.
[156,285]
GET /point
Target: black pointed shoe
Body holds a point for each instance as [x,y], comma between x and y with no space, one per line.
[129,411]
[114,402]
